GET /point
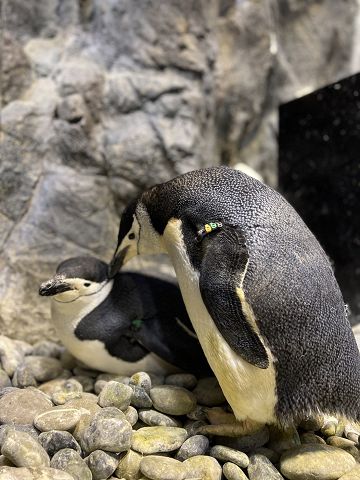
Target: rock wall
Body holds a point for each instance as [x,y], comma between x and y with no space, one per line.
[103,98]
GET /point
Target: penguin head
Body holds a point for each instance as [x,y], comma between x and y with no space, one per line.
[137,236]
[195,199]
[76,277]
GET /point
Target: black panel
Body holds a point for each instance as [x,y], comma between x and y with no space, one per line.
[319,173]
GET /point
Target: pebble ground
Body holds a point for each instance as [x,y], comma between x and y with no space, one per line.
[62,421]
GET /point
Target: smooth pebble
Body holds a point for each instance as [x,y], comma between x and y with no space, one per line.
[322,462]
[148,440]
[173,400]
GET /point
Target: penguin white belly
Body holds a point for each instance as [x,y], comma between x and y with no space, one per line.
[250,391]
[67,315]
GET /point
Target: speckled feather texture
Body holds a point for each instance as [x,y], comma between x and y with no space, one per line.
[289,284]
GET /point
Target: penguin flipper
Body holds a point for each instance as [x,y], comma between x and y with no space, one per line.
[223,264]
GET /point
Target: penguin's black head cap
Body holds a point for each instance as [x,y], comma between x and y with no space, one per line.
[79,273]
[88,268]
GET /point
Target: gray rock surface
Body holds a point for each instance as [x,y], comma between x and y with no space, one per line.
[101,100]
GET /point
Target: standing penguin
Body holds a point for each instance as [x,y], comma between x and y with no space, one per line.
[122,325]
[259,290]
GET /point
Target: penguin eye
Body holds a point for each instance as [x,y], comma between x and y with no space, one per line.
[131,236]
[87,284]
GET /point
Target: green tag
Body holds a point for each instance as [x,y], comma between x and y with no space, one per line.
[137,323]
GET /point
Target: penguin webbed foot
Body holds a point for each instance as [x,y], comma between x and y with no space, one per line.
[239,428]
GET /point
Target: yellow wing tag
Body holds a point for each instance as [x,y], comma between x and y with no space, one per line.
[208,228]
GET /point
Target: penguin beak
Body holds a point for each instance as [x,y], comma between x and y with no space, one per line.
[54,286]
[117,262]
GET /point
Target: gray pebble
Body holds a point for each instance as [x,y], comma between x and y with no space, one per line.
[154,418]
[71,462]
[23,450]
[202,467]
[173,400]
[69,389]
[196,445]
[158,467]
[115,394]
[45,348]
[43,368]
[233,472]
[309,437]
[340,442]
[260,468]
[148,440]
[208,392]
[141,379]
[20,428]
[129,465]
[22,406]
[185,380]
[56,440]
[320,462]
[86,382]
[51,474]
[4,379]
[273,456]
[109,430]
[140,398]
[101,464]
[99,385]
[23,377]
[131,415]
[11,355]
[13,473]
[58,418]
[227,454]
[59,388]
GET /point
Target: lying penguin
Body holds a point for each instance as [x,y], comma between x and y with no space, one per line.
[259,290]
[130,323]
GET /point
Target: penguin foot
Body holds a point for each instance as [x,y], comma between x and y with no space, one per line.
[352,432]
[236,429]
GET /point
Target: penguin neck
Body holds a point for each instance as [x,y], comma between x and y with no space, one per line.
[67,315]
